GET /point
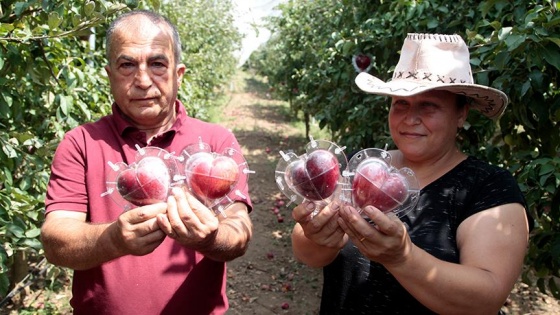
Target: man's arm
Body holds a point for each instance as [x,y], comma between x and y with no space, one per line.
[70,241]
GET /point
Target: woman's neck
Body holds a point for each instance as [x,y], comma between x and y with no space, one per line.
[427,171]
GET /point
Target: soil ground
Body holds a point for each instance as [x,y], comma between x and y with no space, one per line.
[266,280]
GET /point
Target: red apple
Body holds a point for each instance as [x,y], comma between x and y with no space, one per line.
[316,177]
[211,177]
[362,62]
[374,185]
[145,182]
[396,188]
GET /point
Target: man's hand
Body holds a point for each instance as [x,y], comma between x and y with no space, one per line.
[188,221]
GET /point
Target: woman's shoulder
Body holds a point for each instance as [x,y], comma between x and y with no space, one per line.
[475,165]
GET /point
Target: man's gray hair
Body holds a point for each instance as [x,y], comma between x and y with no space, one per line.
[154,18]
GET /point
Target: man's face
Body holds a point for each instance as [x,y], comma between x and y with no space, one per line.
[142,72]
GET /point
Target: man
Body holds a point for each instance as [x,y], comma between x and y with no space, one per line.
[163,258]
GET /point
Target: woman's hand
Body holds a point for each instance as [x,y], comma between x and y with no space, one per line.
[385,240]
[320,226]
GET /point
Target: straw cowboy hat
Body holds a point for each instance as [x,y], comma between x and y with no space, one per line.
[436,62]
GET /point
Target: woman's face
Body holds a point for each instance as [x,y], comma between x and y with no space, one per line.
[424,126]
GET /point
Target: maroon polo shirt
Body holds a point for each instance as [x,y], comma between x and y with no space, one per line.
[170,280]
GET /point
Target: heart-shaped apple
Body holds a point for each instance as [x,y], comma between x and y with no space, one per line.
[375,185]
[145,182]
[211,176]
[314,178]
[362,62]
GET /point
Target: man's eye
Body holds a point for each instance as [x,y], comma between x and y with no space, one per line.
[126,65]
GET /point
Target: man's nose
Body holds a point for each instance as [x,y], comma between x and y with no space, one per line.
[142,78]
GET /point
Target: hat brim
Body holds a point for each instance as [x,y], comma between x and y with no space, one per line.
[489,101]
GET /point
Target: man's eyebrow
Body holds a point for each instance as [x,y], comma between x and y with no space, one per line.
[158,57]
[150,59]
[125,57]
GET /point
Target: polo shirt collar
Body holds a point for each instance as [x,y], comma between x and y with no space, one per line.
[124,126]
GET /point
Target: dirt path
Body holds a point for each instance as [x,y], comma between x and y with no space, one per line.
[267,280]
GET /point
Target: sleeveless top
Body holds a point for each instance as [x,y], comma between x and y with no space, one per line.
[355,285]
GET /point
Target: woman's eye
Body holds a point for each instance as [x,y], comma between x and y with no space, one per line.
[400,104]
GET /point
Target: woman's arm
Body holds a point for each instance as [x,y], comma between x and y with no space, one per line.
[492,246]
[316,240]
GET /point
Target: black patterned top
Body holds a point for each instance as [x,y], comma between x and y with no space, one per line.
[355,285]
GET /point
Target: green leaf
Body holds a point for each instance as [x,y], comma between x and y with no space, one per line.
[552,56]
[16,230]
[20,7]
[514,41]
[554,40]
[547,169]
[5,28]
[9,150]
[33,233]
[89,7]
[54,20]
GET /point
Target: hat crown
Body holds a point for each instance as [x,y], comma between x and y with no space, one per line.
[436,62]
[434,59]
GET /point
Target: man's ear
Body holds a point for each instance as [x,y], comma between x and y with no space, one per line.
[181,68]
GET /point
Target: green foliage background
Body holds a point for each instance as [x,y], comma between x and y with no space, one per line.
[514,47]
[52,78]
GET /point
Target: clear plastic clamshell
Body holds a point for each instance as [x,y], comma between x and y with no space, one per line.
[146,181]
[215,178]
[314,175]
[371,180]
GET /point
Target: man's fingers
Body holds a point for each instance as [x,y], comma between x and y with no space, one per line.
[144,213]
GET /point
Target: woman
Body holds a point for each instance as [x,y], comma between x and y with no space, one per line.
[461,249]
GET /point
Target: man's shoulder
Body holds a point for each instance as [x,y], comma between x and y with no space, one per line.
[102,127]
[192,122]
